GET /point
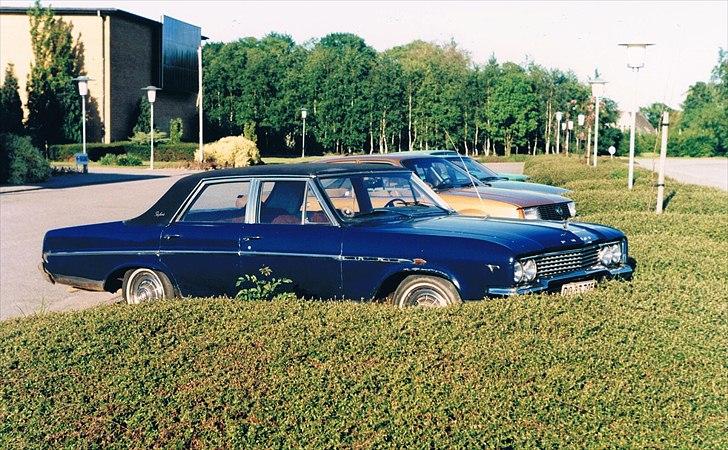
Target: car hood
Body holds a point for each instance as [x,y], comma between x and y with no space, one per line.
[520,198]
[527,186]
[522,237]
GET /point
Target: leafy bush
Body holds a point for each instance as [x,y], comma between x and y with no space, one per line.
[639,364]
[109,160]
[251,288]
[232,151]
[175,131]
[129,160]
[20,161]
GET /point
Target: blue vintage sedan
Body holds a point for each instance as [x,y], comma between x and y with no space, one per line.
[338,231]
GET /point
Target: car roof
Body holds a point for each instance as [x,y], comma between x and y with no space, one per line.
[162,211]
[395,156]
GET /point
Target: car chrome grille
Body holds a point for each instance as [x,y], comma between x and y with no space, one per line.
[554,211]
[567,261]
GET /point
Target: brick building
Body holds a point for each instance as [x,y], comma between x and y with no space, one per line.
[121,52]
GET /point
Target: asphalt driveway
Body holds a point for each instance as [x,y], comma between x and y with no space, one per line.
[703,171]
[27,212]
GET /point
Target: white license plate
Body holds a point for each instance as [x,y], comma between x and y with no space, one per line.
[578,287]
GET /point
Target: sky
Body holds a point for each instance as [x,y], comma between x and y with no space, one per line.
[577,36]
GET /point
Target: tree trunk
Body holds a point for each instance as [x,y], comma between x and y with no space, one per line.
[548,126]
[475,140]
[410,143]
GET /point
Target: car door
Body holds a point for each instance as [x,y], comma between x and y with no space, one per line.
[201,246]
[294,236]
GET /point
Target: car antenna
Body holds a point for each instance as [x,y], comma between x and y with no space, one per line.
[472,180]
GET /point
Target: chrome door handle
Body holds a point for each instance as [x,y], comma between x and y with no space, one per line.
[251,238]
[168,237]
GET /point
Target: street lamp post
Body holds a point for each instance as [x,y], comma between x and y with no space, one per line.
[580,121]
[304,113]
[151,97]
[559,115]
[635,61]
[569,128]
[597,86]
[83,91]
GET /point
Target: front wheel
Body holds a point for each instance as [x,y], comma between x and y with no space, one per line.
[145,285]
[426,292]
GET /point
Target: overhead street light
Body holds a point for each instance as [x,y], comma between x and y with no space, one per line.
[597,86]
[83,92]
[151,97]
[569,127]
[580,121]
[304,113]
[636,53]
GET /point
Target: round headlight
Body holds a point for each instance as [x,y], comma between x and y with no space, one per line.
[605,255]
[529,270]
[517,272]
[616,254]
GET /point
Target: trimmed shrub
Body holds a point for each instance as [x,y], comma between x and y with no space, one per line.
[232,151]
[175,131]
[20,161]
[184,151]
[129,160]
[109,160]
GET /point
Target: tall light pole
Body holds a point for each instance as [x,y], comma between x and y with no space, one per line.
[151,97]
[304,113]
[597,86]
[569,127]
[559,115]
[635,61]
[580,121]
[83,91]
[199,99]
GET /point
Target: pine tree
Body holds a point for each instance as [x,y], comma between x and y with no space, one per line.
[54,113]
[11,109]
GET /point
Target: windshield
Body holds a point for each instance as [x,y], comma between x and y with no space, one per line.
[478,170]
[440,173]
[364,196]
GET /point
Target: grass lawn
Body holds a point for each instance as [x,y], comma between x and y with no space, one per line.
[640,364]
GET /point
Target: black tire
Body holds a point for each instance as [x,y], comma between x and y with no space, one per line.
[427,292]
[143,285]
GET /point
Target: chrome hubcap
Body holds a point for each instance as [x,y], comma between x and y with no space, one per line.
[144,287]
[425,297]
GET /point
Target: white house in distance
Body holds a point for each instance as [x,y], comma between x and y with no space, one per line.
[642,125]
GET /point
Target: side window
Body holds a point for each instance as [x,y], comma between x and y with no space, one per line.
[220,202]
[290,202]
[341,193]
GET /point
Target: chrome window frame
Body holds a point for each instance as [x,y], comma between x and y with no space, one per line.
[197,191]
[255,191]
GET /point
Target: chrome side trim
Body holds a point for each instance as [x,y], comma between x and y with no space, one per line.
[379,259]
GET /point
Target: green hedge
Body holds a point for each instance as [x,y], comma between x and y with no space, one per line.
[631,365]
[183,151]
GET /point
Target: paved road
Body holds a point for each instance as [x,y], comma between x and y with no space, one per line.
[703,171]
[27,212]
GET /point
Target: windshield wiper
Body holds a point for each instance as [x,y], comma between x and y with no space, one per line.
[374,212]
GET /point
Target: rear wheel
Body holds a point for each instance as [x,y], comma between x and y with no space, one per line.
[426,292]
[145,285]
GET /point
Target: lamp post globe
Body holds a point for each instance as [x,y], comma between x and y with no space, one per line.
[151,98]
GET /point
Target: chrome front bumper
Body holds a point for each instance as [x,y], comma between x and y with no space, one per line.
[554,283]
